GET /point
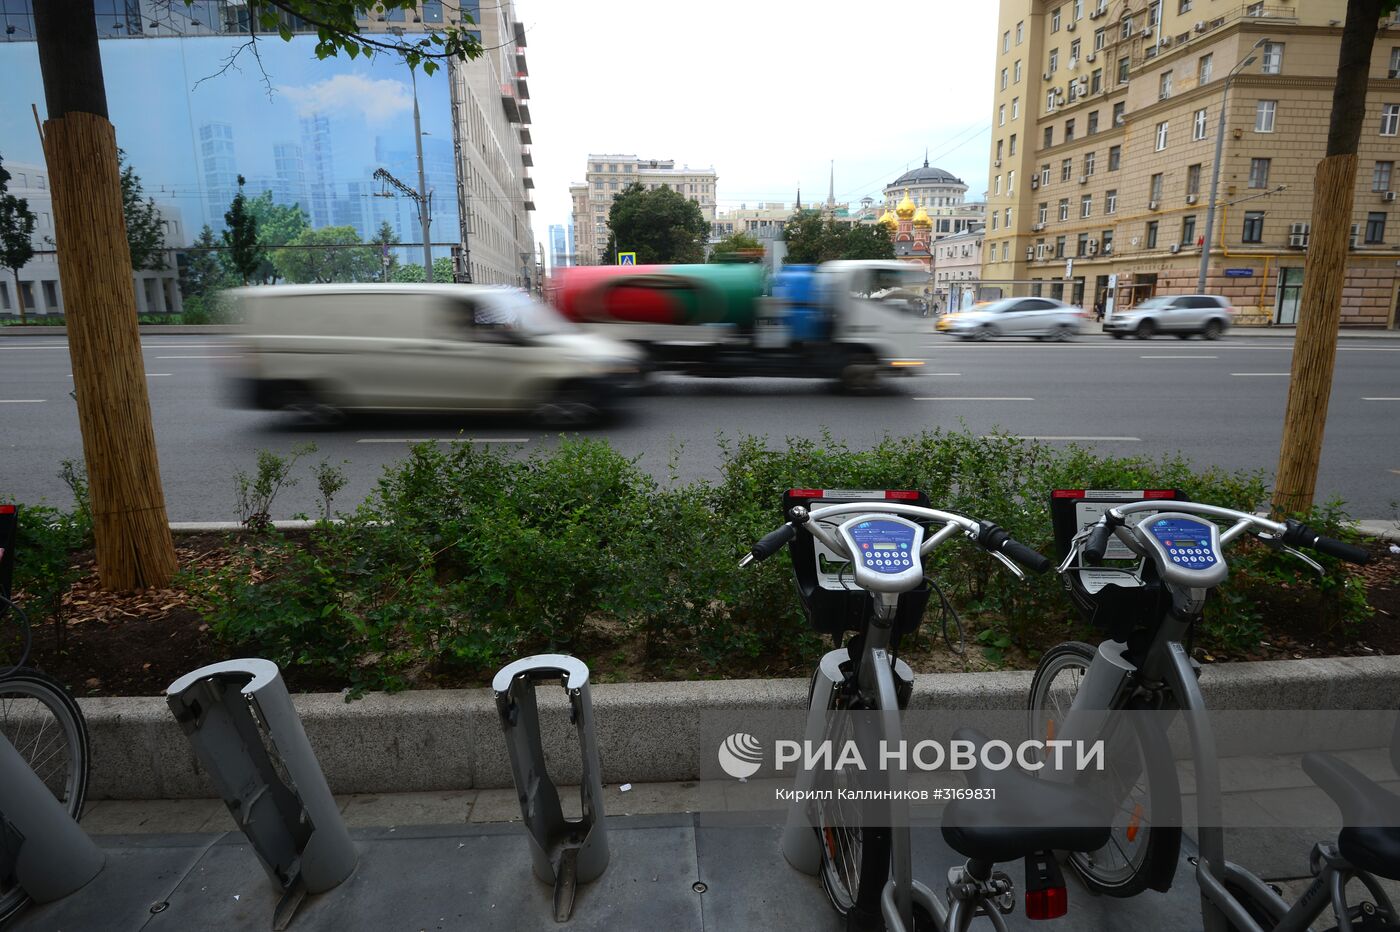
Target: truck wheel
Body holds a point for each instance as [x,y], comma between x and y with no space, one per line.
[309,404]
[569,406]
[860,375]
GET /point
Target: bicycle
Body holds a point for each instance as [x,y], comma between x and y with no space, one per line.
[866,869]
[1145,665]
[37,715]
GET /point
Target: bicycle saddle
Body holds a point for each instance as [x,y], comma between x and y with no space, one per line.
[1370,835]
[1027,815]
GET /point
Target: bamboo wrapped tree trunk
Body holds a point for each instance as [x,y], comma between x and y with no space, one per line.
[134,547]
[1324,271]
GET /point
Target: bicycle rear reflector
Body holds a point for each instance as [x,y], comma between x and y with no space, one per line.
[1046,897]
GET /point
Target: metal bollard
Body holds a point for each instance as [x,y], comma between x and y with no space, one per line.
[247,735]
[565,852]
[42,849]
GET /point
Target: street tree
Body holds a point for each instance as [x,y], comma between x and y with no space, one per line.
[204,272]
[244,254]
[661,226]
[278,225]
[1324,269]
[737,247]
[810,238]
[867,241]
[130,525]
[16,234]
[412,273]
[384,238]
[145,229]
[328,254]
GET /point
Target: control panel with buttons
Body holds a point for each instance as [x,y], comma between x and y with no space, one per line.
[885,552]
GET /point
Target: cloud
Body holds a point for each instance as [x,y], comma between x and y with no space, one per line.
[377,100]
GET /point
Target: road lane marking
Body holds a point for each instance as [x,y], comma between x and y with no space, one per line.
[969,398]
[1239,374]
[21,401]
[1193,356]
[1369,349]
[1119,439]
[1364,398]
[939,373]
[199,357]
[444,440]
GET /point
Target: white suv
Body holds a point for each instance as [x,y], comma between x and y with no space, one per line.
[1179,314]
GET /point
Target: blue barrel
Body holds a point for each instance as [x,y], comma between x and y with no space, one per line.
[796,287]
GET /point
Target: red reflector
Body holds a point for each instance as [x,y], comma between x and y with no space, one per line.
[805,493]
[7,509]
[1067,493]
[902,496]
[1159,493]
[1050,903]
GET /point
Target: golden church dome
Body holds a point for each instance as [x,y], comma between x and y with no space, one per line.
[888,219]
[921,218]
[905,208]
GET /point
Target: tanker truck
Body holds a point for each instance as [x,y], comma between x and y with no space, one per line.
[852,321]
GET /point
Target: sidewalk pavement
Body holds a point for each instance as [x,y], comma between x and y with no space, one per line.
[684,856]
[1096,328]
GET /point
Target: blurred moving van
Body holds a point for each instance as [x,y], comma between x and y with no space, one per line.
[326,350]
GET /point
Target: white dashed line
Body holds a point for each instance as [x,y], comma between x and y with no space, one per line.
[21,401]
[1118,439]
[965,398]
[199,357]
[1364,398]
[1241,374]
[1179,357]
[444,440]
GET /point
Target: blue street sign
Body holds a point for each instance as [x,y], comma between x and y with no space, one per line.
[627,258]
[1239,273]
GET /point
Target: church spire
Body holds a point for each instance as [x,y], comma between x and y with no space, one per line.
[925,156]
[831,191]
[799,199]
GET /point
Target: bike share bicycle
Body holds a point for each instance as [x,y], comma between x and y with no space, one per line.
[859,567]
[1149,612]
[37,716]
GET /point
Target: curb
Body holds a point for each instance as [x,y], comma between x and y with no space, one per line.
[436,740]
[30,330]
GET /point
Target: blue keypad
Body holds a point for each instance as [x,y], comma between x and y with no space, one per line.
[1187,543]
[884,546]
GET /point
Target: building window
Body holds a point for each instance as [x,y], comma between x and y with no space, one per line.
[1015,108]
[1020,31]
[1204,69]
[1119,114]
[1054,60]
[1375,227]
[1164,85]
[1016,72]
[994,221]
[1086,206]
[1045,175]
[1001,115]
[1110,201]
[1154,189]
[1198,125]
[1161,136]
[1183,7]
[1123,68]
[1069,131]
[1050,99]
[1004,76]
[996,185]
[1064,208]
[1115,158]
[1049,139]
[1380,176]
[1093,122]
[1394,71]
[1078,10]
[1042,211]
[1074,48]
[1059,247]
[1055,20]
[1106,238]
[1390,119]
[1006,218]
[1127,32]
[1012,147]
[1253,231]
[1100,37]
[1096,81]
[1088,163]
[1082,247]
[1259,173]
[1151,239]
[1272,62]
[1188,230]
[1264,116]
[1193,179]
[1066,169]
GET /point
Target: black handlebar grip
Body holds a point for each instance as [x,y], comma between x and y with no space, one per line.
[1097,544]
[772,542]
[1341,550]
[1032,560]
[1299,534]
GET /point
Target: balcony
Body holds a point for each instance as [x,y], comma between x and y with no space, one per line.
[526,158]
[529,204]
[519,29]
[525,135]
[509,101]
[529,182]
[522,89]
[520,68]
[525,113]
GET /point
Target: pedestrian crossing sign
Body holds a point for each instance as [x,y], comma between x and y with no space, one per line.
[627,258]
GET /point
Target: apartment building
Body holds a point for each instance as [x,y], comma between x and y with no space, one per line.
[610,174]
[957,268]
[1105,118]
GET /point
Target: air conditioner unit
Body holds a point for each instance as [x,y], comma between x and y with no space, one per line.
[996,164]
[1095,14]
[1190,198]
[1073,64]
[1030,253]
[1091,57]
[1388,196]
[1146,32]
[1037,227]
[1165,42]
[1118,120]
[1152,205]
[1298,235]
[1107,248]
[1069,28]
[1092,247]
[1083,85]
[1083,179]
[1176,247]
[1035,183]
[1045,76]
[1201,25]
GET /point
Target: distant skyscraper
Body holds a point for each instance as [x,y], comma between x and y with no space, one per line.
[319,167]
[220,171]
[290,185]
[561,245]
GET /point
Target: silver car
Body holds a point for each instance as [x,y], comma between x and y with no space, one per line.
[1178,314]
[1044,318]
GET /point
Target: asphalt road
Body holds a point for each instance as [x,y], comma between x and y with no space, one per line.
[1218,403]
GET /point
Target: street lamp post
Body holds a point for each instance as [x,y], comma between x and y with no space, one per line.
[1215,167]
[424,204]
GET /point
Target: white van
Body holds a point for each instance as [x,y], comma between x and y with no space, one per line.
[328,349]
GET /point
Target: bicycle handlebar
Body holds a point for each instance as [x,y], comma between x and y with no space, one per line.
[1298,534]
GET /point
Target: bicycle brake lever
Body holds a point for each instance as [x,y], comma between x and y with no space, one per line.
[1016,570]
[1275,544]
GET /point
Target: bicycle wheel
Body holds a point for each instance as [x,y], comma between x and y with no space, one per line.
[1145,840]
[855,858]
[46,727]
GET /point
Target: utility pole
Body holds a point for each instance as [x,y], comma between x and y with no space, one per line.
[458,164]
[424,204]
[1215,167]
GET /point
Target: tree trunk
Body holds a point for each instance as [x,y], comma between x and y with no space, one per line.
[19,296]
[134,547]
[1324,271]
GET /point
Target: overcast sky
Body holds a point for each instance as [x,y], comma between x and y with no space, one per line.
[765,91]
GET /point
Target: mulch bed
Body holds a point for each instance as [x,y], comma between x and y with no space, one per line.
[137,643]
